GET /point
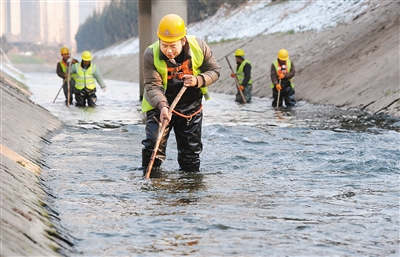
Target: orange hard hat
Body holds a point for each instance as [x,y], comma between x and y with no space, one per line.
[64,50]
[171,28]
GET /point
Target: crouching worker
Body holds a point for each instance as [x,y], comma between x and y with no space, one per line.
[87,74]
[173,62]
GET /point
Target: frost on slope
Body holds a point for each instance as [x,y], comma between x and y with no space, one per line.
[261,17]
[131,46]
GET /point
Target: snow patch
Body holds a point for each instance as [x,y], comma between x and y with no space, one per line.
[260,17]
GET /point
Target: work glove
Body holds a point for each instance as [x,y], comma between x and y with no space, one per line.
[241,88]
[278,87]
[69,60]
[104,89]
[281,76]
[232,75]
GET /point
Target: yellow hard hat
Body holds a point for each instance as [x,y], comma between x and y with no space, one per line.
[283,55]
[171,28]
[239,52]
[64,50]
[86,56]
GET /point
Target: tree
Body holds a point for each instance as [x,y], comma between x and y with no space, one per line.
[119,21]
[5,45]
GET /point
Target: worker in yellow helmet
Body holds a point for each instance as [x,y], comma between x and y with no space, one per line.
[87,74]
[243,74]
[62,73]
[172,62]
[282,73]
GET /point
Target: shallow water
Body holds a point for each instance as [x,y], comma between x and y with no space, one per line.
[307,181]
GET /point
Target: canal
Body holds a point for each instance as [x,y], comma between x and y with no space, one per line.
[308,181]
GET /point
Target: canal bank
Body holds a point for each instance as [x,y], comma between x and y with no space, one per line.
[27,228]
[27,222]
[352,65]
[30,228]
[312,177]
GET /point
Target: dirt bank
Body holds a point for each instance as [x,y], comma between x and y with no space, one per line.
[354,65]
[26,223]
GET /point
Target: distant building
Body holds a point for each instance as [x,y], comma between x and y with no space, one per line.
[45,22]
[11,24]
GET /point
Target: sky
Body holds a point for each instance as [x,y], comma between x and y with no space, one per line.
[259,17]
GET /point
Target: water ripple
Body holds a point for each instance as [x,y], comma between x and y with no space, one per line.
[307,181]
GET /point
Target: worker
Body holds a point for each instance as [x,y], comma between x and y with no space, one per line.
[62,73]
[174,61]
[243,74]
[87,74]
[282,73]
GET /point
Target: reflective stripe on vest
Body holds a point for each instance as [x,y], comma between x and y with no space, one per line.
[64,69]
[289,67]
[85,78]
[240,73]
[161,66]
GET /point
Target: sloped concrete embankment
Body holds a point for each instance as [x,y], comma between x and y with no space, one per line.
[352,65]
[26,221]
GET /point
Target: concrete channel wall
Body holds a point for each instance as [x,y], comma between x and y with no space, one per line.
[28,226]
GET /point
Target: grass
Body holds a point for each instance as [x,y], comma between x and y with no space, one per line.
[290,32]
[26,59]
[221,41]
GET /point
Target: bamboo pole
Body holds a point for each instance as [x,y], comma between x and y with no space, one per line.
[236,80]
[161,132]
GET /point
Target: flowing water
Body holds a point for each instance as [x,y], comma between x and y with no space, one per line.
[307,181]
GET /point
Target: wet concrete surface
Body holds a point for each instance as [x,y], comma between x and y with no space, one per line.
[307,181]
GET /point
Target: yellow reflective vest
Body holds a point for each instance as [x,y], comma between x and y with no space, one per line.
[64,69]
[240,73]
[289,66]
[85,78]
[161,66]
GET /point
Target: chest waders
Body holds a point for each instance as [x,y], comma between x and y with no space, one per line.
[187,132]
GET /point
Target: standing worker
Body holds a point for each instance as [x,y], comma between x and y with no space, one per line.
[62,73]
[85,85]
[243,74]
[173,62]
[282,73]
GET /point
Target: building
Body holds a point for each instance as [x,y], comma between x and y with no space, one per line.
[45,22]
